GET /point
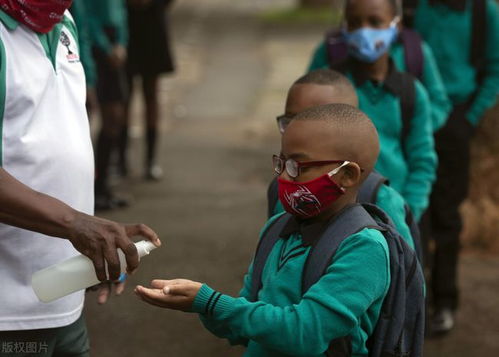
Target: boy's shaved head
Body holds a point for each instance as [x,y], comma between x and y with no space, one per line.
[320,87]
[328,77]
[335,131]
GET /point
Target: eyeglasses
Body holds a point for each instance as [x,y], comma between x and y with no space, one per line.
[293,167]
[283,122]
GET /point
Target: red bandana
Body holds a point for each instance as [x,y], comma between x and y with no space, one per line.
[39,15]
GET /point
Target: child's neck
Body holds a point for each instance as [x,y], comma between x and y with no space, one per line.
[377,71]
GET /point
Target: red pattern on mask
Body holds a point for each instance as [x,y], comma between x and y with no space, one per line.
[39,15]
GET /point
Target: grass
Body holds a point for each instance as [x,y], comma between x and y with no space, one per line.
[323,16]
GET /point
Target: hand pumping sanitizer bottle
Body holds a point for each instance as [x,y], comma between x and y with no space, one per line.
[75,274]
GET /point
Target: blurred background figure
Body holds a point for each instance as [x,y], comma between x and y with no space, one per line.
[149,56]
[79,12]
[464,36]
[108,29]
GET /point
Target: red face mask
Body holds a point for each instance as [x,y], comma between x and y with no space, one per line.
[39,15]
[309,199]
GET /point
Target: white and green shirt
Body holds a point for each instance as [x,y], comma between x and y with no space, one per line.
[45,144]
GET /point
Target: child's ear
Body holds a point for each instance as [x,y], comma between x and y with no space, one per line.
[351,175]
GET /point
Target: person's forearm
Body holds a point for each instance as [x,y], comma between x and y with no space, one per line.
[25,208]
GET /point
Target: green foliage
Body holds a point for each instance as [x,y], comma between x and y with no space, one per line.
[320,16]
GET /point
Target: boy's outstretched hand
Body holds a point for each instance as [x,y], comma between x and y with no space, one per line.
[178,294]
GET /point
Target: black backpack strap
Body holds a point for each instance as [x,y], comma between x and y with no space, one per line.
[272,197]
[415,233]
[368,192]
[265,246]
[479,36]
[350,221]
[337,49]
[407,104]
[413,51]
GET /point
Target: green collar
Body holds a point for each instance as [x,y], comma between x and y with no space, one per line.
[8,21]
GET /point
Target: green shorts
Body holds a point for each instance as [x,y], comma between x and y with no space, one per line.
[71,340]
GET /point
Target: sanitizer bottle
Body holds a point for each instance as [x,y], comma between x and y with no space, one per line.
[75,274]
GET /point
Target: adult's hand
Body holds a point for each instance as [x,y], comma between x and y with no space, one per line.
[95,237]
[99,238]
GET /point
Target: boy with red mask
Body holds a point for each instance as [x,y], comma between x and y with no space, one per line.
[318,179]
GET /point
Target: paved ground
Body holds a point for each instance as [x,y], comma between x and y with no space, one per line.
[219,136]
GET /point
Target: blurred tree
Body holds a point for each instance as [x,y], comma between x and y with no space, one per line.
[319,3]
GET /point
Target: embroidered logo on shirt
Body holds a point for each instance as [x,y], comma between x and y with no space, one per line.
[71,56]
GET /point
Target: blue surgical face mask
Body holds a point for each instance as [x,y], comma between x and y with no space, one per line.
[368,44]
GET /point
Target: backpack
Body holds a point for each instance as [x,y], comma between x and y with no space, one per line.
[399,331]
[479,29]
[368,193]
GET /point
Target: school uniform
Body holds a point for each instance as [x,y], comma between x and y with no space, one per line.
[346,301]
[45,144]
[430,77]
[447,28]
[80,15]
[410,165]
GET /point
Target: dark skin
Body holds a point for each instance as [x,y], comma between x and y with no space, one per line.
[94,237]
[377,14]
[311,141]
[303,141]
[307,95]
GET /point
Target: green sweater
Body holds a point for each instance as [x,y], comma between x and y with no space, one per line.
[346,301]
[107,14]
[431,79]
[80,15]
[449,34]
[389,201]
[409,167]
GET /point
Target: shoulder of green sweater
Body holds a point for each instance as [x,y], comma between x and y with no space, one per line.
[493,19]
[319,58]
[388,196]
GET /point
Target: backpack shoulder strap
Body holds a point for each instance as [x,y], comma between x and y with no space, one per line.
[350,221]
[413,52]
[479,33]
[265,246]
[368,192]
[337,49]
[415,233]
[272,197]
[407,98]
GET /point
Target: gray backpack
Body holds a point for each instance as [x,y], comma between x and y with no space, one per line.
[399,331]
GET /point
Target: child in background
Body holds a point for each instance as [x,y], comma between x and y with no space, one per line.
[397,104]
[464,36]
[109,37]
[149,56]
[409,54]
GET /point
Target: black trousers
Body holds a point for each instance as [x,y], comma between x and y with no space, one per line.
[442,221]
